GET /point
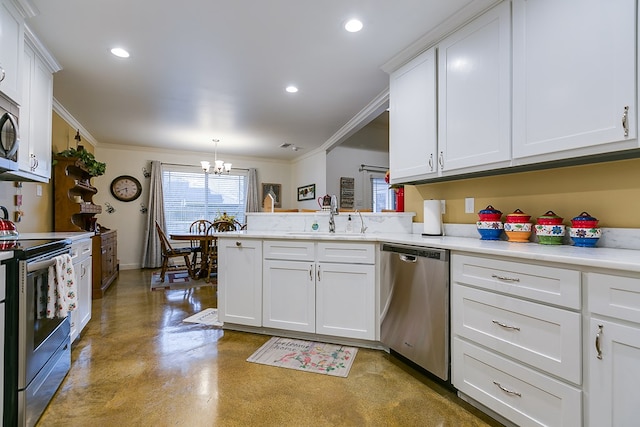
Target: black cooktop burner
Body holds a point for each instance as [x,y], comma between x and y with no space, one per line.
[29,248]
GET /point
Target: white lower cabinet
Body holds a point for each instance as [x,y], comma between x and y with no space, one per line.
[240,281]
[313,295]
[289,295]
[345,300]
[613,354]
[516,348]
[81,258]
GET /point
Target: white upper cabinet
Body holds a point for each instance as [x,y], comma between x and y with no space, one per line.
[412,120]
[11,42]
[574,78]
[474,94]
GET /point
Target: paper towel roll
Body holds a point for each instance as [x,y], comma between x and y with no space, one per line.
[432,218]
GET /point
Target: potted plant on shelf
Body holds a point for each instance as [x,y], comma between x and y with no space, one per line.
[91,165]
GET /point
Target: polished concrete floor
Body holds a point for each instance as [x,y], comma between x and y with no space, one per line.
[138,364]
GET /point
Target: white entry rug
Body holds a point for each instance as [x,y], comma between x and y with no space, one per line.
[310,356]
[205,317]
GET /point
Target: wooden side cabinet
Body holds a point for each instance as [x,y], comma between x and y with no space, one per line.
[105,261]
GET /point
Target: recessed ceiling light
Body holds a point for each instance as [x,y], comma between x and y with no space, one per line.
[120,52]
[353,25]
[291,89]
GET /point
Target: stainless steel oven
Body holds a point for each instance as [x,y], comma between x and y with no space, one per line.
[39,355]
[9,135]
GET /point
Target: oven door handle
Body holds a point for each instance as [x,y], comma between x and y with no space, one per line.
[41,265]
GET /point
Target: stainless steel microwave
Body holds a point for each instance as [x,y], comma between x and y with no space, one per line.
[9,135]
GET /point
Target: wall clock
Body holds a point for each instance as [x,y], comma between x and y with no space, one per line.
[126,188]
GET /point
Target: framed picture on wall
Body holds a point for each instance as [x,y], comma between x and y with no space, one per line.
[275,190]
[307,192]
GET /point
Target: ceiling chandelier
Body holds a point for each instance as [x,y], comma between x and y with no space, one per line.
[219,166]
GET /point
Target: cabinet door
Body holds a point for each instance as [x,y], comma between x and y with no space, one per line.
[11,42]
[289,295]
[574,70]
[474,93]
[614,377]
[34,152]
[84,294]
[240,281]
[412,119]
[345,300]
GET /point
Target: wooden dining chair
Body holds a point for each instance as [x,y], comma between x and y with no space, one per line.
[200,226]
[169,252]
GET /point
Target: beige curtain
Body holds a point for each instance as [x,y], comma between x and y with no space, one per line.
[253,200]
[151,255]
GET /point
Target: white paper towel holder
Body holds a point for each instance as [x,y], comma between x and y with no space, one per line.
[437,205]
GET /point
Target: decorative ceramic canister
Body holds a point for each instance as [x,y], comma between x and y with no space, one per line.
[489,230]
[518,228]
[549,229]
[584,231]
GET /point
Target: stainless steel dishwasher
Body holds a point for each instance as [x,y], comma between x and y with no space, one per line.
[414,305]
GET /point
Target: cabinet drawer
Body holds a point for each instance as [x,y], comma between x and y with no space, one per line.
[552,285]
[522,395]
[616,296]
[290,250]
[352,253]
[80,250]
[544,337]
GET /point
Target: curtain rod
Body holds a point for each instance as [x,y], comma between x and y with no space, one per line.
[196,166]
[373,168]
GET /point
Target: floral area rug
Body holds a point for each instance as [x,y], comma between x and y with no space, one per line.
[208,316]
[321,358]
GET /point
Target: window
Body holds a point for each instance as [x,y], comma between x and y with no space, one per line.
[382,196]
[190,194]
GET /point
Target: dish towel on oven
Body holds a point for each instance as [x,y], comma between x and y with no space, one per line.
[62,293]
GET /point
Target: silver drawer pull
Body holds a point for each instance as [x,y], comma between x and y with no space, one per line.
[506,279]
[506,390]
[625,120]
[598,349]
[504,325]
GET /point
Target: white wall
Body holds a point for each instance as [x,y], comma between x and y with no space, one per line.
[345,162]
[128,219]
[307,170]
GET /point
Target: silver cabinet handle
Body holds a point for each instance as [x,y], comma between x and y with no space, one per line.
[441,160]
[598,349]
[318,273]
[625,120]
[506,279]
[311,272]
[506,390]
[504,325]
[431,162]
[238,244]
[3,74]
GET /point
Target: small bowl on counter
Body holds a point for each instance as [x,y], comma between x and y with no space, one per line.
[550,234]
[490,230]
[584,231]
[518,216]
[518,231]
[584,220]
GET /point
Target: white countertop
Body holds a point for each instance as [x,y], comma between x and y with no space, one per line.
[619,259]
[71,235]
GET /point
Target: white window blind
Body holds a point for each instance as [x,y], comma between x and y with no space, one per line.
[190,194]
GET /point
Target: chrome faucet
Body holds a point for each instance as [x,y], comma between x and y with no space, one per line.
[333,211]
[362,226]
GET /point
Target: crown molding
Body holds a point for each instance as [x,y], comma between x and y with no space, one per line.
[67,117]
[454,22]
[32,39]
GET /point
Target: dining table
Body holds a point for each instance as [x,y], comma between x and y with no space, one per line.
[207,243]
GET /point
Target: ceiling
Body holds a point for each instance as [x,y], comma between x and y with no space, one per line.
[208,69]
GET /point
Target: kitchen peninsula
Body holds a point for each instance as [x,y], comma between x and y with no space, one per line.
[534,328]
